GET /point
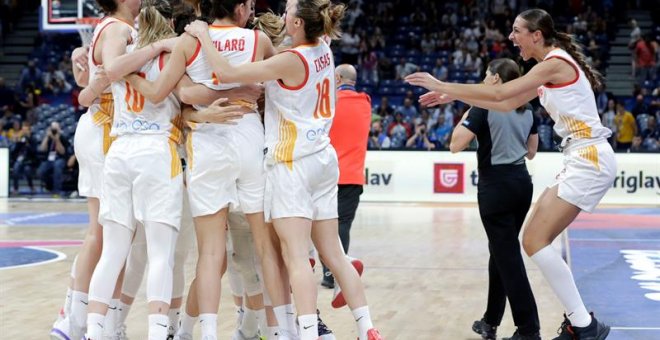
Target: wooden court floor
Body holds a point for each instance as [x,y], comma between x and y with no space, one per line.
[425,276]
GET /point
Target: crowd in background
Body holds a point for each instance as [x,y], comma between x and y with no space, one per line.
[385,40]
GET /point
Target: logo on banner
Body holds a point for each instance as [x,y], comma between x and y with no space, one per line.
[448,179]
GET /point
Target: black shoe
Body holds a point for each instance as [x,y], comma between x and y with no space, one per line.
[565,331]
[595,331]
[328,281]
[518,336]
[323,329]
[487,331]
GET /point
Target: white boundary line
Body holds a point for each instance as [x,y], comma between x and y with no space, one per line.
[637,328]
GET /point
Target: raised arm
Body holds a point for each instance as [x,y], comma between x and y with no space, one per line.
[155,91]
[514,93]
[133,61]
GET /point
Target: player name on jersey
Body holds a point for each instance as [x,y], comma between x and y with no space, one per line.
[230,45]
[322,62]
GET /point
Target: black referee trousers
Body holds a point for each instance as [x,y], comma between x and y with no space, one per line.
[505,195]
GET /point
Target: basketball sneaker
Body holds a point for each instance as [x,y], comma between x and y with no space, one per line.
[595,331]
[287,335]
[65,330]
[324,332]
[328,280]
[338,300]
[486,331]
[373,334]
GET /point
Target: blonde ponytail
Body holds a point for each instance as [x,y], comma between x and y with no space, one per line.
[154,22]
[272,25]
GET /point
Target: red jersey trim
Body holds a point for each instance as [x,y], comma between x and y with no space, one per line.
[577,74]
[194,56]
[296,88]
[256,44]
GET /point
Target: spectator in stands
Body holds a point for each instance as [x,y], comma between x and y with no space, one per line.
[27,101]
[71,172]
[369,64]
[644,55]
[408,109]
[636,145]
[377,40]
[626,127]
[427,44]
[6,94]
[349,136]
[651,130]
[602,99]
[473,65]
[640,106]
[426,118]
[23,158]
[420,140]
[14,132]
[30,75]
[384,109]
[448,112]
[378,139]
[399,131]
[55,81]
[386,69]
[350,46]
[54,145]
[441,133]
[405,68]
[608,121]
[440,71]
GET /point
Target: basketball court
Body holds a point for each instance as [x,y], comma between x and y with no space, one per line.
[425,271]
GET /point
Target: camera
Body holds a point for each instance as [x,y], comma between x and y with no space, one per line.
[53,130]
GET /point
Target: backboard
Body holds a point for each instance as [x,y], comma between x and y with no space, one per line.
[61,15]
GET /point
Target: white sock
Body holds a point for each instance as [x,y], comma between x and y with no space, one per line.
[123,313]
[187,323]
[67,302]
[173,315]
[95,325]
[240,314]
[559,276]
[309,327]
[209,323]
[363,319]
[281,316]
[290,317]
[158,326]
[79,309]
[111,317]
[263,322]
[250,325]
[272,333]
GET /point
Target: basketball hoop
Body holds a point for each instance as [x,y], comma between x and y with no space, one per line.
[86,29]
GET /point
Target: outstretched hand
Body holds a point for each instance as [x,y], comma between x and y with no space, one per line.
[423,79]
[434,98]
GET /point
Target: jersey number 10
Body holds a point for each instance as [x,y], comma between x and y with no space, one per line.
[134,99]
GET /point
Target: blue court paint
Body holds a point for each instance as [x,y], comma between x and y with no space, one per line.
[607,281]
[27,256]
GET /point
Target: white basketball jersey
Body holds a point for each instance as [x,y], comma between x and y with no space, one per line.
[136,115]
[102,110]
[238,45]
[572,105]
[298,119]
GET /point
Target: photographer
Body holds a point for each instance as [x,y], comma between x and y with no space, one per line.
[54,145]
[22,158]
[420,140]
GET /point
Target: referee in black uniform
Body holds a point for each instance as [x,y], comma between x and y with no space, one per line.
[504,195]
